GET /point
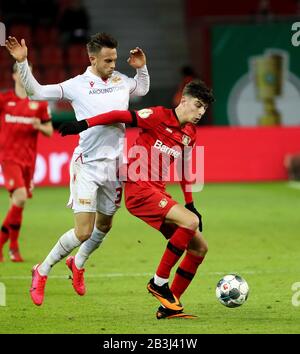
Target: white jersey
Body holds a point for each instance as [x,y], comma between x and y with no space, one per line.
[90,95]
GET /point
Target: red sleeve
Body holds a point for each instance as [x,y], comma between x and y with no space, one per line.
[187,182]
[149,118]
[44,112]
[188,195]
[111,118]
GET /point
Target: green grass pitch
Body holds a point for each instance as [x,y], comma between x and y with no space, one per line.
[251,229]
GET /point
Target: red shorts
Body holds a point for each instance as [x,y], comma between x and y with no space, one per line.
[17,176]
[150,204]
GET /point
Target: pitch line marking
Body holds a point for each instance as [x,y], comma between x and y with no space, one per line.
[122,275]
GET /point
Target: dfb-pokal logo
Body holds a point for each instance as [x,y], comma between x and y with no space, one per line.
[2,34]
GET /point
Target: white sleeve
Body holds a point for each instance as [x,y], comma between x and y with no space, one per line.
[35,90]
[139,85]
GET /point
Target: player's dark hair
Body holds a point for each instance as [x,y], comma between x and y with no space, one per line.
[15,67]
[99,41]
[198,89]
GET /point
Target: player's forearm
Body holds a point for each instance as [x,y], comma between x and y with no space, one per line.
[35,90]
[112,117]
[142,82]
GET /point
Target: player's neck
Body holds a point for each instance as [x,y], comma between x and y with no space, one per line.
[180,115]
[95,72]
[20,91]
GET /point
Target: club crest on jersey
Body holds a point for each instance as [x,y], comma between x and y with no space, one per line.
[145,113]
[116,79]
[92,83]
[11,182]
[163,203]
[185,140]
[33,105]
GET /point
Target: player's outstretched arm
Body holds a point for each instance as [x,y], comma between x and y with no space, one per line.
[17,50]
[33,89]
[113,117]
[140,84]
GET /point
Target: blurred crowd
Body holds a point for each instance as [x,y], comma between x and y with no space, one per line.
[56,31]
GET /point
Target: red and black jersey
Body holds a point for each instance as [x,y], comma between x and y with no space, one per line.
[18,138]
[161,141]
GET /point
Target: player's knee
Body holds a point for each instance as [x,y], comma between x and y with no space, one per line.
[103,227]
[83,234]
[20,200]
[192,222]
[203,248]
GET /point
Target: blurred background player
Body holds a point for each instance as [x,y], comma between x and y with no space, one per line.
[187,74]
[166,133]
[94,198]
[20,122]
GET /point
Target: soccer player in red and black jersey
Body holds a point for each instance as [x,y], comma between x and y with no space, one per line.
[20,122]
[165,132]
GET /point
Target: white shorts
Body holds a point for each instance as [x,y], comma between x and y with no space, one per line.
[94,186]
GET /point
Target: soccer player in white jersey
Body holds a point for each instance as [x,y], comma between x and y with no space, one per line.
[94,197]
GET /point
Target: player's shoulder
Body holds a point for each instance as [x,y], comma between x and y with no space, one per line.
[117,77]
[151,111]
[7,95]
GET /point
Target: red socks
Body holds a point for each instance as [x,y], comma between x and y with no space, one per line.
[185,273]
[175,248]
[11,227]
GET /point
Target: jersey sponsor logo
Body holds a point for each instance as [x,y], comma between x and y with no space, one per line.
[33,105]
[11,103]
[163,203]
[20,120]
[185,140]
[106,90]
[166,149]
[145,113]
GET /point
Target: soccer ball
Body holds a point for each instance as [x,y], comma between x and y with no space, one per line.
[232,290]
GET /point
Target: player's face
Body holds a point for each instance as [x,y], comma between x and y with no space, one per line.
[194,109]
[104,62]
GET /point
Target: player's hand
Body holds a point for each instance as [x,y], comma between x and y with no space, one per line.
[137,58]
[16,50]
[191,207]
[72,128]
[36,123]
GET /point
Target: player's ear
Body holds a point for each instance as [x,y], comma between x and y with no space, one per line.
[183,100]
[92,59]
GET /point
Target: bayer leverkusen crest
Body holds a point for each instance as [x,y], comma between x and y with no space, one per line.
[186,140]
[33,105]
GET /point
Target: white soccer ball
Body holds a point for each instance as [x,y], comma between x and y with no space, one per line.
[232,290]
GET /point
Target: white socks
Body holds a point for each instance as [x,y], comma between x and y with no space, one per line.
[160,281]
[88,247]
[63,247]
